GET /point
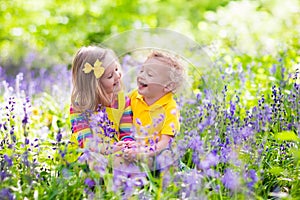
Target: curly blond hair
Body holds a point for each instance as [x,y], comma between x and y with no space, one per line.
[177,72]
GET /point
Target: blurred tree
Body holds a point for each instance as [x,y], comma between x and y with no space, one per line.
[35,32]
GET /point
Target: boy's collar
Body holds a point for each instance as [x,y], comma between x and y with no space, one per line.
[162,101]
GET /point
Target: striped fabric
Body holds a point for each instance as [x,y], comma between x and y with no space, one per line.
[126,122]
[81,130]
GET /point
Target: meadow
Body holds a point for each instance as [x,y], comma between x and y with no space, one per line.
[240,130]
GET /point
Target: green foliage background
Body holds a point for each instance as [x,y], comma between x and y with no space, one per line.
[254,44]
[53,30]
[237,35]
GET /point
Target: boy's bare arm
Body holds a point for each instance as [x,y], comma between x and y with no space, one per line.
[162,144]
[140,153]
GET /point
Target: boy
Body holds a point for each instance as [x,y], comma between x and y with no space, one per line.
[155,112]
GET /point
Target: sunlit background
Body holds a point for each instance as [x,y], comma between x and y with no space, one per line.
[240,123]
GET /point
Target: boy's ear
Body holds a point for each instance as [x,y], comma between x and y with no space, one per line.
[170,87]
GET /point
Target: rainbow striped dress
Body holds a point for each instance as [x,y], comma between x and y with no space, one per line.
[119,114]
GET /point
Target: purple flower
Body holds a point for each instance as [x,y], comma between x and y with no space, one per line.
[199,96]
[273,69]
[3,175]
[25,159]
[58,137]
[5,193]
[190,183]
[29,58]
[85,156]
[8,160]
[25,119]
[282,72]
[232,108]
[26,141]
[100,165]
[211,159]
[246,132]
[138,121]
[89,182]
[231,180]
[217,188]
[196,144]
[252,175]
[225,153]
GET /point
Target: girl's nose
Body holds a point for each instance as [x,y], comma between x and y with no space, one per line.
[118,75]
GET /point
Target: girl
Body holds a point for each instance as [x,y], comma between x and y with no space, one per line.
[97,94]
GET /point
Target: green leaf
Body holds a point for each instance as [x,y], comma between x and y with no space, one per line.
[276,170]
[296,154]
[287,136]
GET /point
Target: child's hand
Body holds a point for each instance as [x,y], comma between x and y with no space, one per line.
[130,144]
[119,146]
[130,154]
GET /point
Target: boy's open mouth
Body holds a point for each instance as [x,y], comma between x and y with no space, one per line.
[141,84]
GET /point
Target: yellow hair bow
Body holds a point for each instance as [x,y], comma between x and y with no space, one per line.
[98,69]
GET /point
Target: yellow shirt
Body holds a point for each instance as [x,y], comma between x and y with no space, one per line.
[160,118]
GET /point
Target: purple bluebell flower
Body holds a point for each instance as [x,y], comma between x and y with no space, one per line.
[8,160]
[282,73]
[90,194]
[100,165]
[190,183]
[25,119]
[2,73]
[232,108]
[217,188]
[231,180]
[3,175]
[25,159]
[138,121]
[273,69]
[210,160]
[225,152]
[58,136]
[199,96]
[30,57]
[246,132]
[196,144]
[6,194]
[253,178]
[26,141]
[212,173]
[89,182]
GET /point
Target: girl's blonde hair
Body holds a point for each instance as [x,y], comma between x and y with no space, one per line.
[88,92]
